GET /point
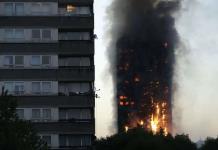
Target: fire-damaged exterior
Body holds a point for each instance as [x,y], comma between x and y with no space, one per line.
[47,61]
[144,63]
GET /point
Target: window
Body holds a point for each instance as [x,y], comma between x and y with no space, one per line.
[46,34]
[41,87]
[46,114]
[75,140]
[85,140]
[39,34]
[74,36]
[84,87]
[63,140]
[74,88]
[19,8]
[46,87]
[16,88]
[35,61]
[85,36]
[19,60]
[42,8]
[74,61]
[85,61]
[36,87]
[14,9]
[14,33]
[77,10]
[84,10]
[9,33]
[19,88]
[36,34]
[79,87]
[9,86]
[85,114]
[47,139]
[20,113]
[68,114]
[41,114]
[46,7]
[8,9]
[46,60]
[19,34]
[35,113]
[8,61]
[36,8]
[41,60]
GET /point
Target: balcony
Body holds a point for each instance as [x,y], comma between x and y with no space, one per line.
[61,74]
[76,101]
[64,22]
[62,48]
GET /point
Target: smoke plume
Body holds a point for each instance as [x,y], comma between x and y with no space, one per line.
[196,96]
[141,51]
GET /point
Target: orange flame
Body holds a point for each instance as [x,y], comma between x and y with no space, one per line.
[158,119]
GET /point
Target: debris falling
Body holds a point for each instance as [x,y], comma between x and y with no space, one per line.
[144,39]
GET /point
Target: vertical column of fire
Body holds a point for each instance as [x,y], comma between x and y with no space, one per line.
[145,64]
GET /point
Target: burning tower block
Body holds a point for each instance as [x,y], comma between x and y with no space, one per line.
[144,60]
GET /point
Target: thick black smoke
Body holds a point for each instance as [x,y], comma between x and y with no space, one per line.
[144,38]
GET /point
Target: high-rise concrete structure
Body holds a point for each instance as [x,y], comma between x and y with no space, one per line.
[47,60]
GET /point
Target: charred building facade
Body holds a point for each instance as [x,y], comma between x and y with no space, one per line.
[144,64]
[47,61]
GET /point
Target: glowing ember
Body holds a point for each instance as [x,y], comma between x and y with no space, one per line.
[121,103]
[137,79]
[141,122]
[123,97]
[126,128]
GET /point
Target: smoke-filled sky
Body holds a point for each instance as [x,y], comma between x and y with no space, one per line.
[196,82]
[196,97]
[104,104]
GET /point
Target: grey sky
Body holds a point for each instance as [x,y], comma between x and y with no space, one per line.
[196,96]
